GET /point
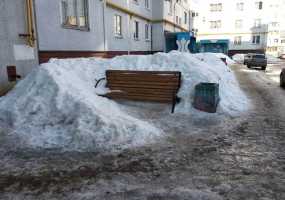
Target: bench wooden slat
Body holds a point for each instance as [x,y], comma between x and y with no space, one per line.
[143,72]
[139,83]
[157,86]
[145,90]
[112,86]
[163,99]
[157,79]
[158,95]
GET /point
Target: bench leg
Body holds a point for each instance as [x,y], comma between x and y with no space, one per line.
[173,106]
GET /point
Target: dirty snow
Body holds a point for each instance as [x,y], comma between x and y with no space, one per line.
[56,106]
[222,55]
[239,58]
[272,59]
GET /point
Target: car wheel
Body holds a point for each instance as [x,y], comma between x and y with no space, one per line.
[263,68]
[248,66]
[282,80]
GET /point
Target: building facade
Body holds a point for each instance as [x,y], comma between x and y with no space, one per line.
[17,38]
[72,28]
[242,25]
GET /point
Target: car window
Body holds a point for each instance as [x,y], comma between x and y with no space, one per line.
[259,56]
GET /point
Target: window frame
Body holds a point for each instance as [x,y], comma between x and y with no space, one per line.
[116,25]
[185,18]
[255,40]
[238,40]
[147,32]
[238,24]
[259,5]
[136,30]
[240,6]
[147,4]
[216,24]
[77,26]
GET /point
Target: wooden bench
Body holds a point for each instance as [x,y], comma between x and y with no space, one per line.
[154,86]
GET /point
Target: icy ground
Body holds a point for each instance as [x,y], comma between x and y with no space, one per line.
[57,106]
[209,159]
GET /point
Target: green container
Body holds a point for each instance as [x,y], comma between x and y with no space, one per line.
[207,97]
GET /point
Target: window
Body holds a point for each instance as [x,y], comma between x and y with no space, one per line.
[237,40]
[215,24]
[238,24]
[147,32]
[185,18]
[240,6]
[136,32]
[216,7]
[118,25]
[170,7]
[274,24]
[258,5]
[146,3]
[75,14]
[256,39]
[257,23]
[276,40]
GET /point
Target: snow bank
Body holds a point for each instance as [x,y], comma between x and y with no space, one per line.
[229,60]
[272,60]
[56,106]
[239,58]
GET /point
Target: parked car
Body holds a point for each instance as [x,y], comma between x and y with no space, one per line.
[282,56]
[282,78]
[256,60]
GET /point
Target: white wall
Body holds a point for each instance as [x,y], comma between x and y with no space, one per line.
[52,36]
[158,37]
[13,49]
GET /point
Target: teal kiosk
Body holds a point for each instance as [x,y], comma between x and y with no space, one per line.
[214,46]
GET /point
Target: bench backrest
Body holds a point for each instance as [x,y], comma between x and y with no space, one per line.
[160,86]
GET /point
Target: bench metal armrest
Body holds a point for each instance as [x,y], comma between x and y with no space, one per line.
[98,81]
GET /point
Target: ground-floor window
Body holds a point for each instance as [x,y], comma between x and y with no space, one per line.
[237,40]
[75,14]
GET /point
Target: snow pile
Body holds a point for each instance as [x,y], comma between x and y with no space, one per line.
[56,106]
[272,60]
[229,60]
[239,58]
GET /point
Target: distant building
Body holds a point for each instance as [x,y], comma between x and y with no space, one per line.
[72,28]
[241,26]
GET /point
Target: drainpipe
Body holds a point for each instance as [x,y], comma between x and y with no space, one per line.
[174,16]
[30,35]
[130,34]
[104,24]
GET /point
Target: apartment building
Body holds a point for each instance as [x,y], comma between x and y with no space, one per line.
[241,26]
[74,28]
